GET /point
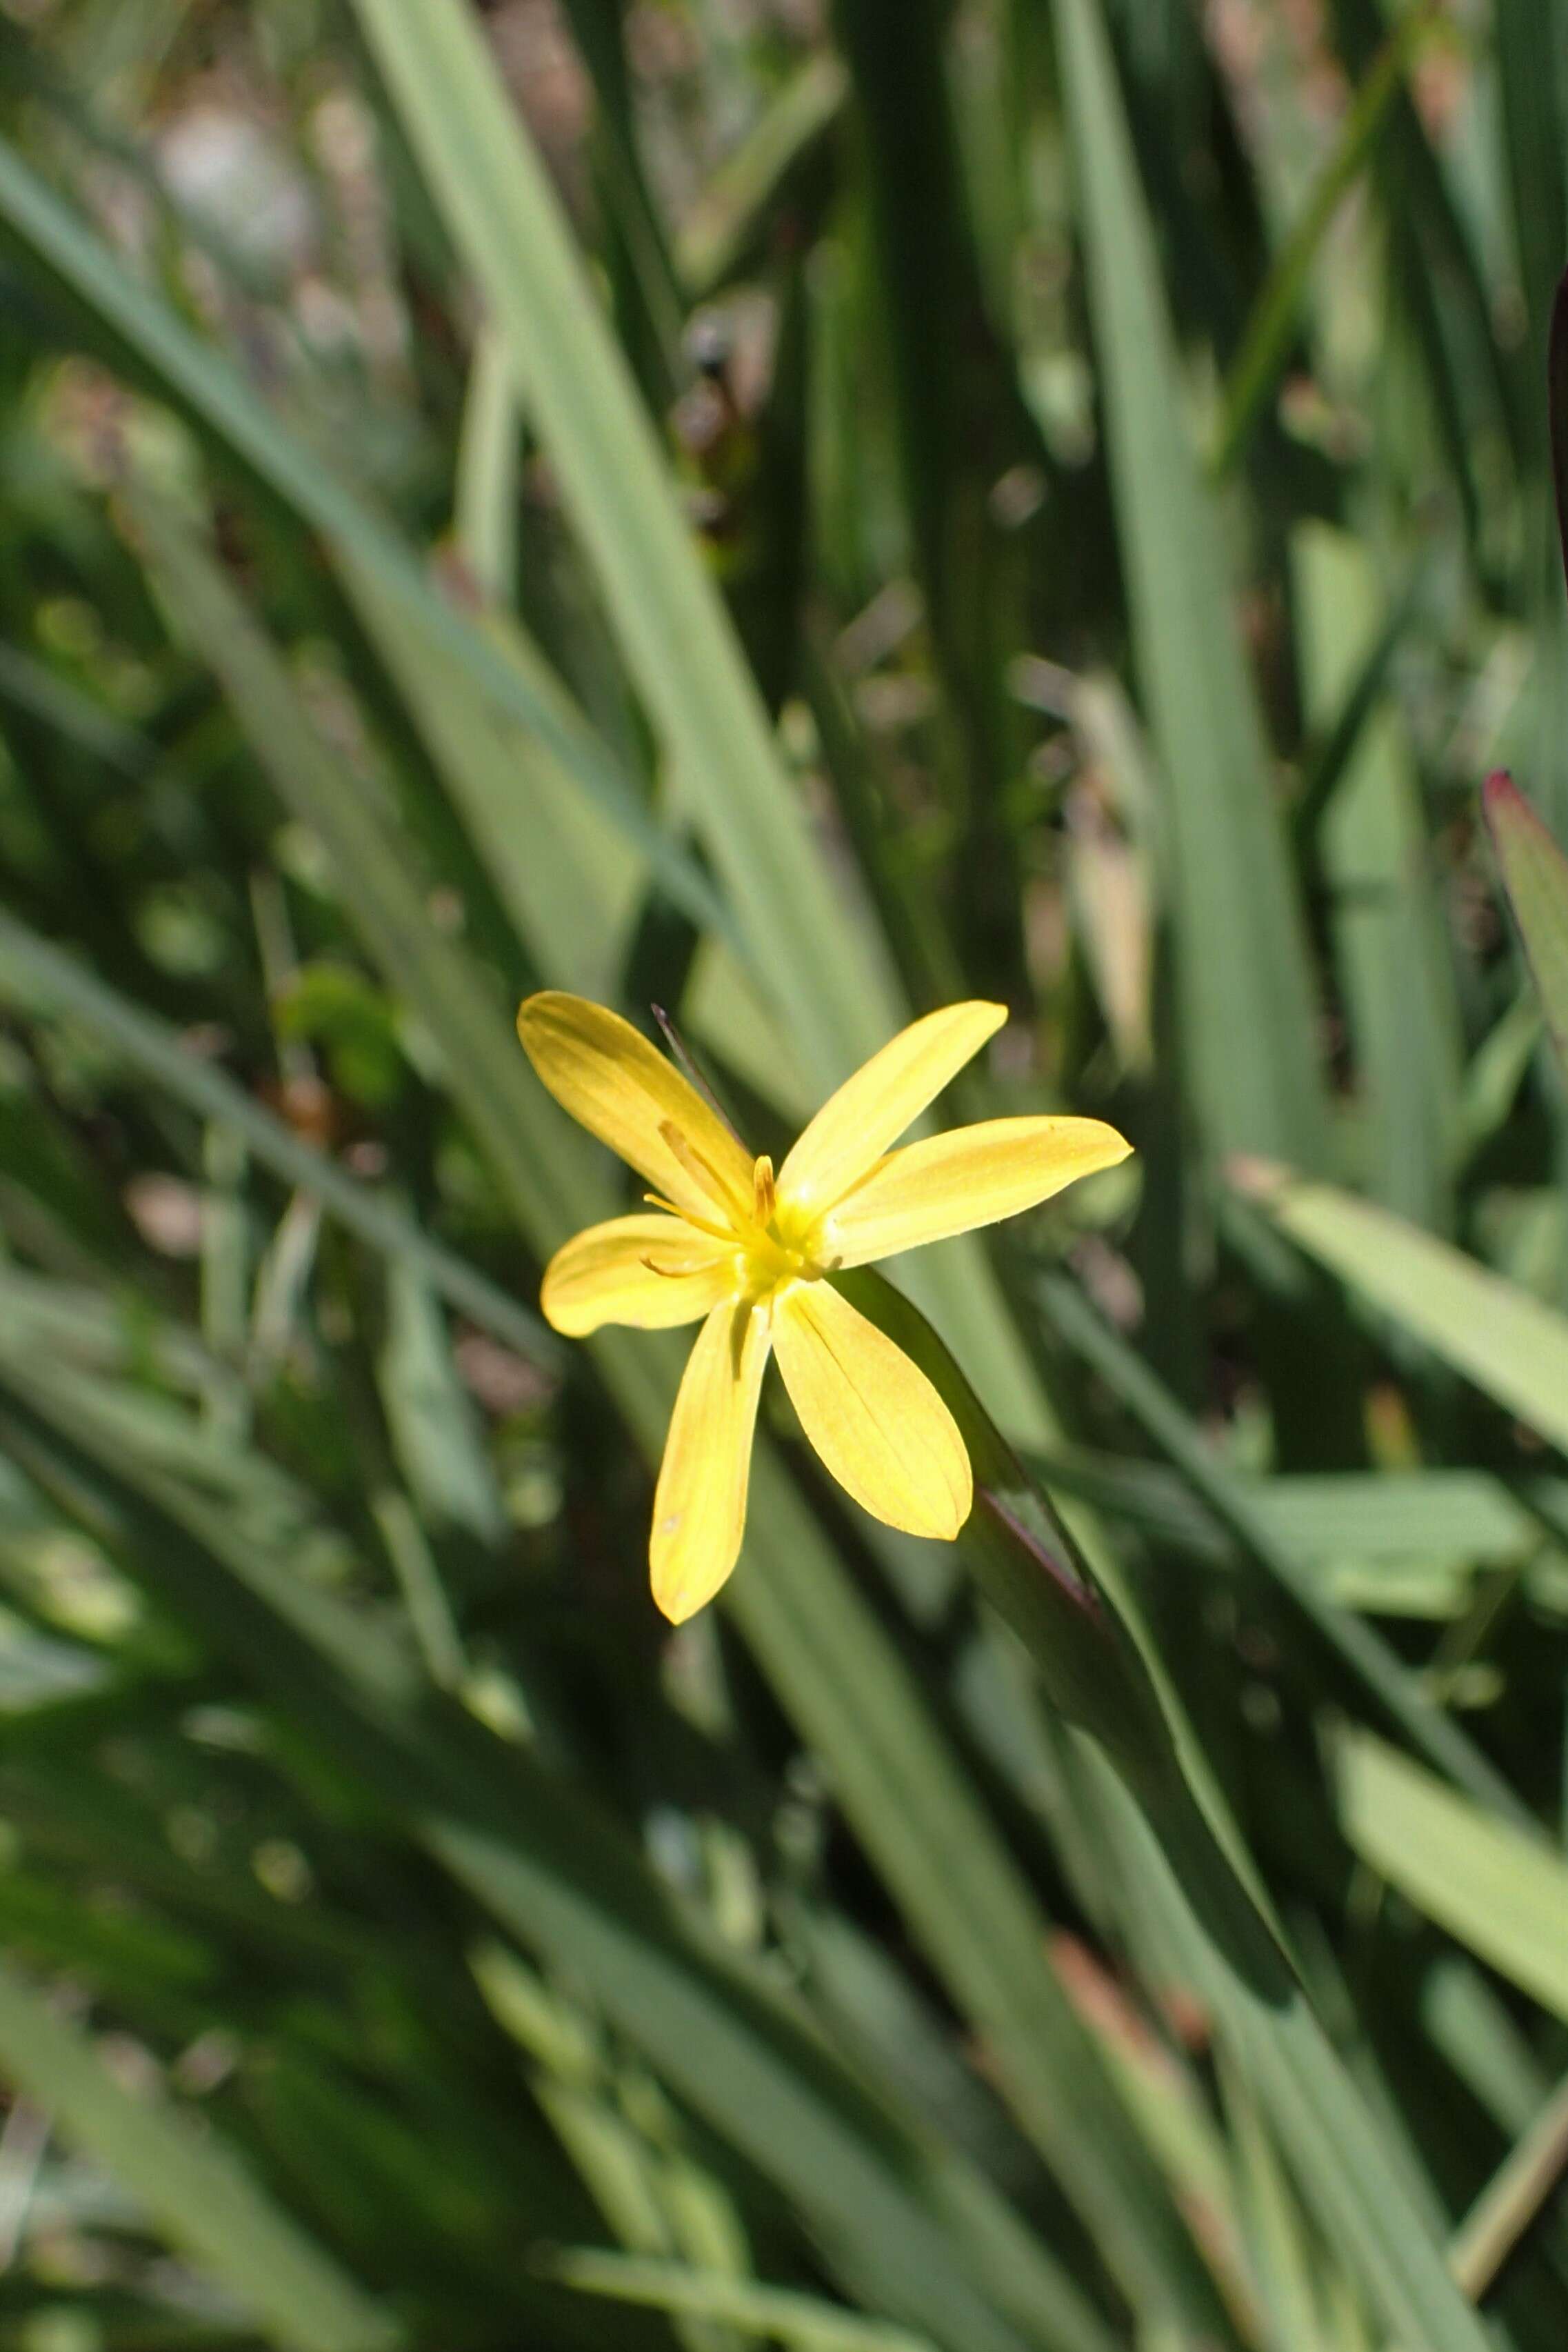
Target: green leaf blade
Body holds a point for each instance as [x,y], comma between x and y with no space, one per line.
[1249,1024]
[1535,874]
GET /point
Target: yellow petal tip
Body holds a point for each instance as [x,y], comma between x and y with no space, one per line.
[944,1524]
[679,1597]
[531,1007]
[674,1608]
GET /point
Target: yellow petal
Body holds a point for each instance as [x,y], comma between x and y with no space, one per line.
[973,1176]
[870,1110]
[650,1272]
[699,1509]
[872,1414]
[608,1075]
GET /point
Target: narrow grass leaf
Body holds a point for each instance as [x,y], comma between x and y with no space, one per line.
[1282,2256]
[1271,328]
[1527,2178]
[489,462]
[1557,410]
[1351,2179]
[1248,1017]
[1396,966]
[433,974]
[1142,1760]
[36,974]
[203,385]
[1498,1335]
[1536,876]
[195,2191]
[728,220]
[819,1643]
[569,879]
[554,1875]
[967,1906]
[1498,1890]
[507,223]
[1374,1664]
[804,2321]
[431,1419]
[825,975]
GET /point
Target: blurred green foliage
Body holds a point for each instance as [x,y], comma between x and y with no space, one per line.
[796,514]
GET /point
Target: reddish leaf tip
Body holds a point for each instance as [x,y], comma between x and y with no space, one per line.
[1503,805]
[1254,1177]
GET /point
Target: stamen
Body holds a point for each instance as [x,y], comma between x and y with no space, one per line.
[763,1194]
[688,1217]
[700,1169]
[672,1273]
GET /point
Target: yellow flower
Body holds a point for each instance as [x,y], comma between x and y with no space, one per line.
[750,1253]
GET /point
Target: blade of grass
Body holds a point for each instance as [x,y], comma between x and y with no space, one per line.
[1496,1334]
[1271,328]
[197,2194]
[1534,93]
[979,1924]
[1419,196]
[432,973]
[1444,1518]
[1369,1658]
[1497,1070]
[618,2132]
[568,879]
[1394,962]
[959,425]
[1499,1890]
[1281,2257]
[1528,2177]
[1326,766]
[432,1421]
[806,2323]
[34,687]
[1250,1025]
[204,386]
[1353,2181]
[1476,2032]
[1557,410]
[818,1641]
[827,977]
[507,223]
[726,223]
[1536,876]
[553,1875]
[648,295]
[1185,1859]
[42,976]
[489,447]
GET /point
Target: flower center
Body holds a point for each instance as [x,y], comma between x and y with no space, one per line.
[771,1237]
[770,1234]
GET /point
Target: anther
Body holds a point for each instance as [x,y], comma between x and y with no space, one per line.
[763,1194]
[698,1167]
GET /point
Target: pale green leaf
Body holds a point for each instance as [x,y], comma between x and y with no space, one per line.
[1498,1335]
[1495,1888]
[1249,1032]
[1536,874]
[196,2193]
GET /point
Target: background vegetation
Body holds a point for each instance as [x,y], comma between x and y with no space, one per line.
[796,514]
